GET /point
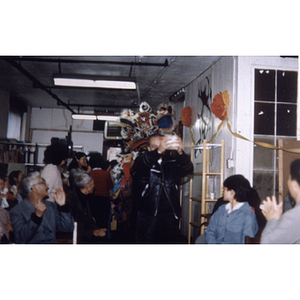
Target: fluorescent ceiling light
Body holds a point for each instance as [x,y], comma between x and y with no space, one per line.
[93,81]
[108,118]
[84,117]
[95,117]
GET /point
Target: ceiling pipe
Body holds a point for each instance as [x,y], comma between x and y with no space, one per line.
[134,105]
[38,83]
[65,60]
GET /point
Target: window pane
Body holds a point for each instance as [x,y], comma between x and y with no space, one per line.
[264,118]
[286,119]
[287,86]
[14,126]
[264,85]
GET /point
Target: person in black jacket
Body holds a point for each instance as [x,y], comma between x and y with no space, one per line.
[156,178]
[78,201]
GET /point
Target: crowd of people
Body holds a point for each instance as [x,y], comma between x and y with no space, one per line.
[43,204]
[38,206]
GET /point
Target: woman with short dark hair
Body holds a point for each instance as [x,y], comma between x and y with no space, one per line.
[233,221]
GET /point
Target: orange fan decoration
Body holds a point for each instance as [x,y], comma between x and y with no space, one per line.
[186,116]
[219,105]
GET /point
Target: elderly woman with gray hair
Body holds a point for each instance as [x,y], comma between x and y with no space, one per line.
[78,200]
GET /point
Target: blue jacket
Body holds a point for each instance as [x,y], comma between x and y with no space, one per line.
[231,228]
[30,229]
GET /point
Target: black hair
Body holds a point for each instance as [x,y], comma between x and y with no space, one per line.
[254,199]
[78,155]
[240,185]
[96,161]
[12,176]
[74,164]
[295,170]
[55,154]
[154,135]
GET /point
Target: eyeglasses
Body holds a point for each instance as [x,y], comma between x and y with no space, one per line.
[41,182]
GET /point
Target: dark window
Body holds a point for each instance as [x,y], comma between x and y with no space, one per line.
[264,85]
[264,118]
[287,86]
[286,119]
[274,88]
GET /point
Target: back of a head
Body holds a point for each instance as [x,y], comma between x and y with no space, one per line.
[295,170]
[96,161]
[80,178]
[240,185]
[55,154]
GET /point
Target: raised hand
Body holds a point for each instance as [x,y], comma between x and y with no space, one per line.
[40,209]
[270,208]
[60,197]
[173,142]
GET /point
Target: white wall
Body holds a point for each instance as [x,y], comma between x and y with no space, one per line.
[235,74]
[47,123]
[221,76]
[245,104]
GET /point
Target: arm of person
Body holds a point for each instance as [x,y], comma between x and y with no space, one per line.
[148,160]
[250,225]
[64,218]
[275,231]
[24,226]
[270,208]
[283,231]
[211,230]
[185,165]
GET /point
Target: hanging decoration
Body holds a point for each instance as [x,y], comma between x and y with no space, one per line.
[186,116]
[200,128]
[219,109]
[186,119]
[220,104]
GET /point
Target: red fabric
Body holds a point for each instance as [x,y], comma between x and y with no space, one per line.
[103,182]
[126,170]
